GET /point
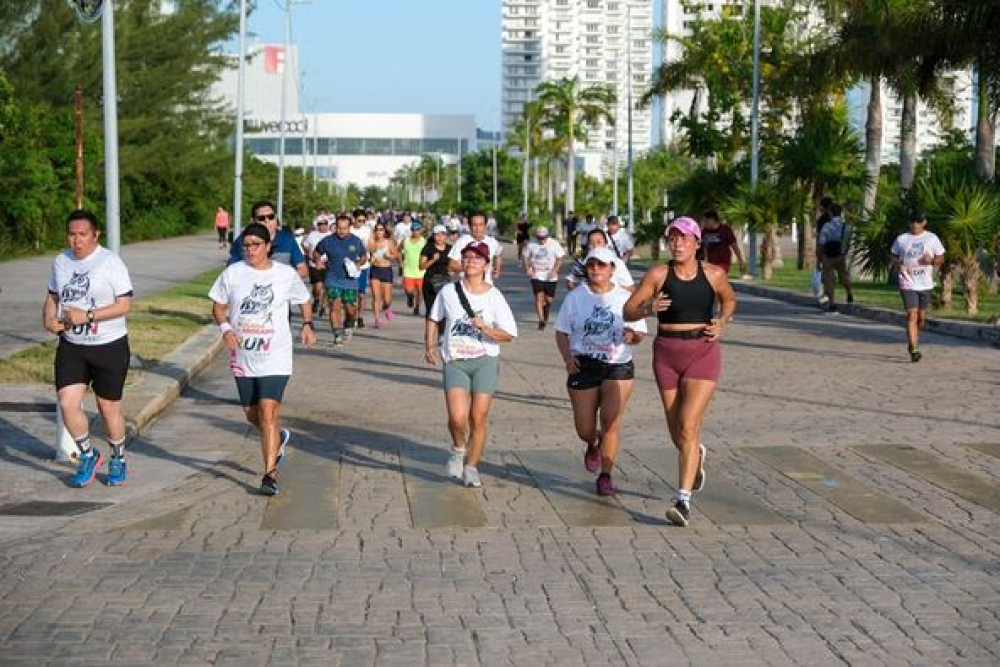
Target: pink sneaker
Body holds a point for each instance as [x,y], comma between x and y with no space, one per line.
[604,485]
[592,458]
[377,323]
[389,314]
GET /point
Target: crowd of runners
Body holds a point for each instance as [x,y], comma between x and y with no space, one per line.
[348,264]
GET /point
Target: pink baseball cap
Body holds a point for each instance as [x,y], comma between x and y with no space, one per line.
[685,226]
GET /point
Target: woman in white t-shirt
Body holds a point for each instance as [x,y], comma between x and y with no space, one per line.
[251,301]
[595,343]
[476,319]
[89,295]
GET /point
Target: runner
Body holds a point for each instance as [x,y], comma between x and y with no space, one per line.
[251,303]
[382,251]
[915,255]
[477,227]
[284,248]
[595,343]
[542,259]
[89,295]
[578,271]
[360,228]
[619,239]
[317,275]
[687,356]
[434,263]
[341,253]
[476,318]
[222,224]
[413,275]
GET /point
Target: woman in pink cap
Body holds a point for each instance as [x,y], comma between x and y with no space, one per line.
[687,357]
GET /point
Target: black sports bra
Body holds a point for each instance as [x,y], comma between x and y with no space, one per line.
[692,301]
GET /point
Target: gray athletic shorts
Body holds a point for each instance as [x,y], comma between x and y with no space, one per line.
[914,300]
[476,376]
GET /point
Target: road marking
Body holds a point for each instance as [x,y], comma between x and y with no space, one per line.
[560,475]
[931,468]
[721,501]
[436,500]
[859,500]
[310,493]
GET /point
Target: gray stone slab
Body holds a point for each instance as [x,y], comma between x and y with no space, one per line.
[437,501]
[989,448]
[310,494]
[859,500]
[933,469]
[169,521]
[570,489]
[721,501]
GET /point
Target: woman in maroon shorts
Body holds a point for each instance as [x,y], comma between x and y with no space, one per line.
[687,357]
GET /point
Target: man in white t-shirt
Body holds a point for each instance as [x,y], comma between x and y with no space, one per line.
[317,274]
[402,229]
[477,224]
[619,239]
[360,228]
[915,254]
[543,257]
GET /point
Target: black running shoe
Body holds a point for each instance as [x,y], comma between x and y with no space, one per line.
[409,300]
[359,323]
[269,485]
[915,356]
[679,514]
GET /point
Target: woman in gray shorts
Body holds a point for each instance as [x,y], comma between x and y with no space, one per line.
[475,319]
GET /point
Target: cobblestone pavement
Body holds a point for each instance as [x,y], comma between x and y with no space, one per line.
[807,545]
[154,266]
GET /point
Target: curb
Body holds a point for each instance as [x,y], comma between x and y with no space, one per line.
[983,333]
[164,382]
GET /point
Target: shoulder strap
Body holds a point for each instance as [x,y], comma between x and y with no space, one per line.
[464,300]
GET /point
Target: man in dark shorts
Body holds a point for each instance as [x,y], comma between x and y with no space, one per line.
[718,242]
[342,253]
[542,259]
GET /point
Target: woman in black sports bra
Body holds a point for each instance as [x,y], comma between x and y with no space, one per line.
[687,357]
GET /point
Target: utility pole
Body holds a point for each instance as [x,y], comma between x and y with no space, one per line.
[631,199]
[284,103]
[754,138]
[526,171]
[494,180]
[240,84]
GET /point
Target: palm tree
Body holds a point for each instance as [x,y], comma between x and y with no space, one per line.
[765,208]
[569,110]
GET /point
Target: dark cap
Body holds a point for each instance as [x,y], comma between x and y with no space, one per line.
[917,215]
[478,248]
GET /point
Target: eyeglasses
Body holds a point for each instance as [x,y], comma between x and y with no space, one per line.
[265,216]
[252,246]
[596,262]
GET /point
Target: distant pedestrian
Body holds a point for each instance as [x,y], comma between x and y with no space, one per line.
[718,242]
[687,356]
[477,234]
[578,270]
[619,239]
[434,263]
[222,224]
[476,319]
[542,259]
[360,228]
[832,248]
[596,346]
[317,273]
[251,300]
[341,253]
[382,251]
[522,234]
[569,228]
[583,230]
[89,295]
[916,254]
[413,275]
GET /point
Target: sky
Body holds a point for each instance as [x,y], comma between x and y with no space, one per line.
[386,56]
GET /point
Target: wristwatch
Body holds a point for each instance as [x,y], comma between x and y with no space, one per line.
[90,316]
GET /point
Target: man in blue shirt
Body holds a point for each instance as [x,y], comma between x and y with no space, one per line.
[284,247]
[341,253]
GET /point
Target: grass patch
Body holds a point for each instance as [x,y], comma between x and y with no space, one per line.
[156,327]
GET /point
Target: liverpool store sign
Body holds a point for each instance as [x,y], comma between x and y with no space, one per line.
[256,125]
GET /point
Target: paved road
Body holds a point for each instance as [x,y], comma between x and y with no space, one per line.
[817,539]
[153,265]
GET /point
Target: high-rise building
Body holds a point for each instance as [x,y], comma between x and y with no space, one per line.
[599,41]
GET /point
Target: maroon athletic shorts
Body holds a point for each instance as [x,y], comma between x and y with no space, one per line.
[676,359]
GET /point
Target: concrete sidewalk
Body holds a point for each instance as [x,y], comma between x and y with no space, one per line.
[850,515]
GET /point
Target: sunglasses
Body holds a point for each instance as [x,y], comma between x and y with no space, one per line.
[265,216]
[596,262]
[251,246]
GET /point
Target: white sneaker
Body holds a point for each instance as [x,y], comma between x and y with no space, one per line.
[456,462]
[471,477]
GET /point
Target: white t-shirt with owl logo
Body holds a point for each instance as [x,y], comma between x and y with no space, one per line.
[88,284]
[462,339]
[258,312]
[594,324]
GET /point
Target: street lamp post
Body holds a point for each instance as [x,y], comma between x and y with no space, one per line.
[631,172]
[754,138]
[494,180]
[284,97]
[111,200]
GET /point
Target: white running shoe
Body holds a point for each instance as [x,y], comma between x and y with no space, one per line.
[456,462]
[471,477]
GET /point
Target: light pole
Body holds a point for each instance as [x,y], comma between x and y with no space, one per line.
[111,201]
[614,190]
[754,122]
[458,170]
[284,97]
[631,172]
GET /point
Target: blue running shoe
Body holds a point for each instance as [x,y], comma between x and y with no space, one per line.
[286,436]
[117,472]
[89,463]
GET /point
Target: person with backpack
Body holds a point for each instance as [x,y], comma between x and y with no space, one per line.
[475,319]
[831,255]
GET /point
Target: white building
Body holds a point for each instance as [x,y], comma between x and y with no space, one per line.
[339,148]
[596,40]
